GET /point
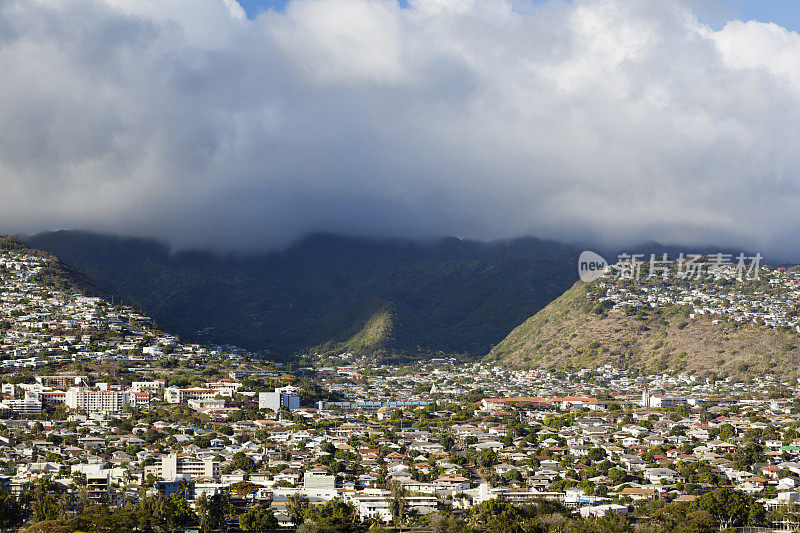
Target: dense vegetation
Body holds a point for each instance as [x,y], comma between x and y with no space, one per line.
[723,508]
[394,298]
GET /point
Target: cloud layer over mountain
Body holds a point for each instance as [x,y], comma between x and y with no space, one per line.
[609,120]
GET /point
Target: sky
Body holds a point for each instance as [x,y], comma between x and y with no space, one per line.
[241,126]
[713,12]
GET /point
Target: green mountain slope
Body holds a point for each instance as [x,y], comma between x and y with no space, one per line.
[368,330]
[570,332]
[330,293]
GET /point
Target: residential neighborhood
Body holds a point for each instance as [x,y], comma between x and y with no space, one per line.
[706,289]
[99,404]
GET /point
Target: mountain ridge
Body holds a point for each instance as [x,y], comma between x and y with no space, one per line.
[449,296]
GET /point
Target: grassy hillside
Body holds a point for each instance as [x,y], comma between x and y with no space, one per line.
[569,332]
[329,293]
[370,330]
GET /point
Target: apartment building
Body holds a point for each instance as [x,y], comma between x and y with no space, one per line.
[239,374]
[98,487]
[23,407]
[176,395]
[665,400]
[287,397]
[96,401]
[151,386]
[60,382]
[225,387]
[175,465]
[139,399]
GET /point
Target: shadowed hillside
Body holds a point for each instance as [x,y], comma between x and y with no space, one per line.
[388,297]
[55,273]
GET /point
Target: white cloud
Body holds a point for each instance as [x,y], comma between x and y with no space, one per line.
[609,120]
[342,41]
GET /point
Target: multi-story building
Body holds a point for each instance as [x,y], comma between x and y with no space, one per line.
[318,480]
[139,399]
[665,400]
[54,396]
[239,374]
[211,403]
[176,395]
[97,401]
[23,407]
[62,381]
[152,386]
[98,487]
[174,465]
[287,397]
[224,387]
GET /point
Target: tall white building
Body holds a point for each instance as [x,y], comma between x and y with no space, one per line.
[174,465]
[96,401]
[287,397]
[315,480]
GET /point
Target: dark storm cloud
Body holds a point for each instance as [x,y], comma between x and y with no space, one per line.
[609,120]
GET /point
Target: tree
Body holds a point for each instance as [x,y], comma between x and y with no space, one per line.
[596,454]
[335,516]
[259,518]
[447,523]
[9,509]
[47,504]
[748,455]
[296,507]
[243,489]
[328,448]
[487,457]
[726,432]
[397,502]
[612,523]
[678,429]
[447,442]
[183,488]
[242,462]
[730,508]
[497,516]
[171,512]
[211,511]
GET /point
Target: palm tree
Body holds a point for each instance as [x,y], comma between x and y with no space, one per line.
[397,503]
[183,487]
